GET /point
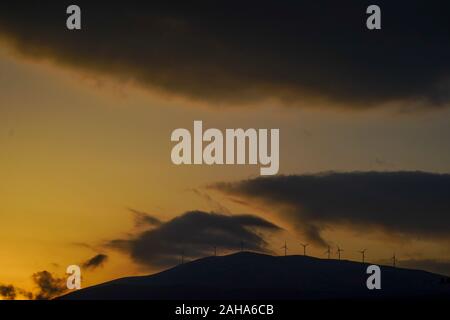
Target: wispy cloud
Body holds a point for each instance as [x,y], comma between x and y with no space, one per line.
[214,204]
[142,218]
[95,262]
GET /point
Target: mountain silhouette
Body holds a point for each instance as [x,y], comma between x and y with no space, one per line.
[247,275]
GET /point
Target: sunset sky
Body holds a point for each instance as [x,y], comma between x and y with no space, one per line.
[86,118]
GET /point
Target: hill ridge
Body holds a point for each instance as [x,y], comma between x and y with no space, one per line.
[251,275]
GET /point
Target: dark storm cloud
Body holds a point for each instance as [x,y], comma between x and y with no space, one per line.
[49,286]
[8,292]
[404,203]
[95,262]
[195,234]
[237,52]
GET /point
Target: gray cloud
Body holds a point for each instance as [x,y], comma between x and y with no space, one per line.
[95,262]
[235,53]
[416,204]
[194,234]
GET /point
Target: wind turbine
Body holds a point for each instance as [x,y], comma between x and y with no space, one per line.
[182,256]
[394,260]
[363,252]
[304,245]
[328,252]
[215,251]
[285,248]
[339,250]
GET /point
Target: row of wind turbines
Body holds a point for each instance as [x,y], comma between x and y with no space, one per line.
[305,245]
[338,252]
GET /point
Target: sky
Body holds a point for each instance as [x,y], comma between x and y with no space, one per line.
[86,118]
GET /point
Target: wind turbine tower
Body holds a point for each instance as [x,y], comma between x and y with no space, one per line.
[304,245]
[285,249]
[394,260]
[328,252]
[339,250]
[363,253]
